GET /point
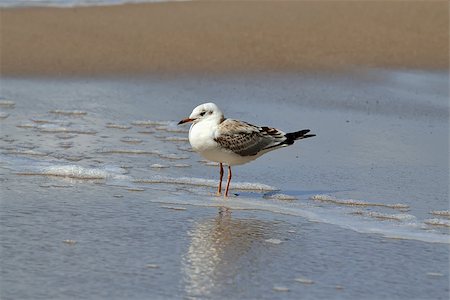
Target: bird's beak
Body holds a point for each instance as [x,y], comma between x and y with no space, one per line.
[185,121]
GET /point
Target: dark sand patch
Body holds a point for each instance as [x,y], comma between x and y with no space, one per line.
[215,37]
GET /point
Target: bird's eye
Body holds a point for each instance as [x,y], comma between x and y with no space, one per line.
[202,113]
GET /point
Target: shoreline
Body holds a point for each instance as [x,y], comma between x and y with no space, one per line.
[223,37]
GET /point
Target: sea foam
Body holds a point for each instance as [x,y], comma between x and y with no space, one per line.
[118,126]
[441,213]
[54,128]
[204,182]
[352,202]
[68,112]
[438,222]
[75,171]
[7,103]
[146,123]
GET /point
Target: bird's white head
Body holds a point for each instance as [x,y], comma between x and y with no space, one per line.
[205,111]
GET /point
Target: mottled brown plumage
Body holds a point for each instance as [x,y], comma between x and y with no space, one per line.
[246,139]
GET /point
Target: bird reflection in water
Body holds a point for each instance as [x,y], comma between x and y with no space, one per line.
[223,252]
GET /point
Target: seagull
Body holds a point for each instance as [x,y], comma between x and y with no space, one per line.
[233,142]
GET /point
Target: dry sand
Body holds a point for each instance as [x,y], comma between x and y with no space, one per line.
[224,37]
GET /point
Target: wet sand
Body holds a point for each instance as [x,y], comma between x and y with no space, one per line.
[94,203]
[217,37]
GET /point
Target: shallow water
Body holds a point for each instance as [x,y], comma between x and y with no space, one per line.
[102,196]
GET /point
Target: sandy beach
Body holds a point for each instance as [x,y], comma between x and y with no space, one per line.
[102,196]
[217,37]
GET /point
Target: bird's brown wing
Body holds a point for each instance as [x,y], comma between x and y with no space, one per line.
[246,139]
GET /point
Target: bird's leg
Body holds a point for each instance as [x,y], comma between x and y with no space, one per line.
[219,188]
[228,181]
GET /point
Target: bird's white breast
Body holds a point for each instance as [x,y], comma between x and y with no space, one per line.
[201,138]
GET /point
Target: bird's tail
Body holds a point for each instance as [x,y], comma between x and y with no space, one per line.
[291,137]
